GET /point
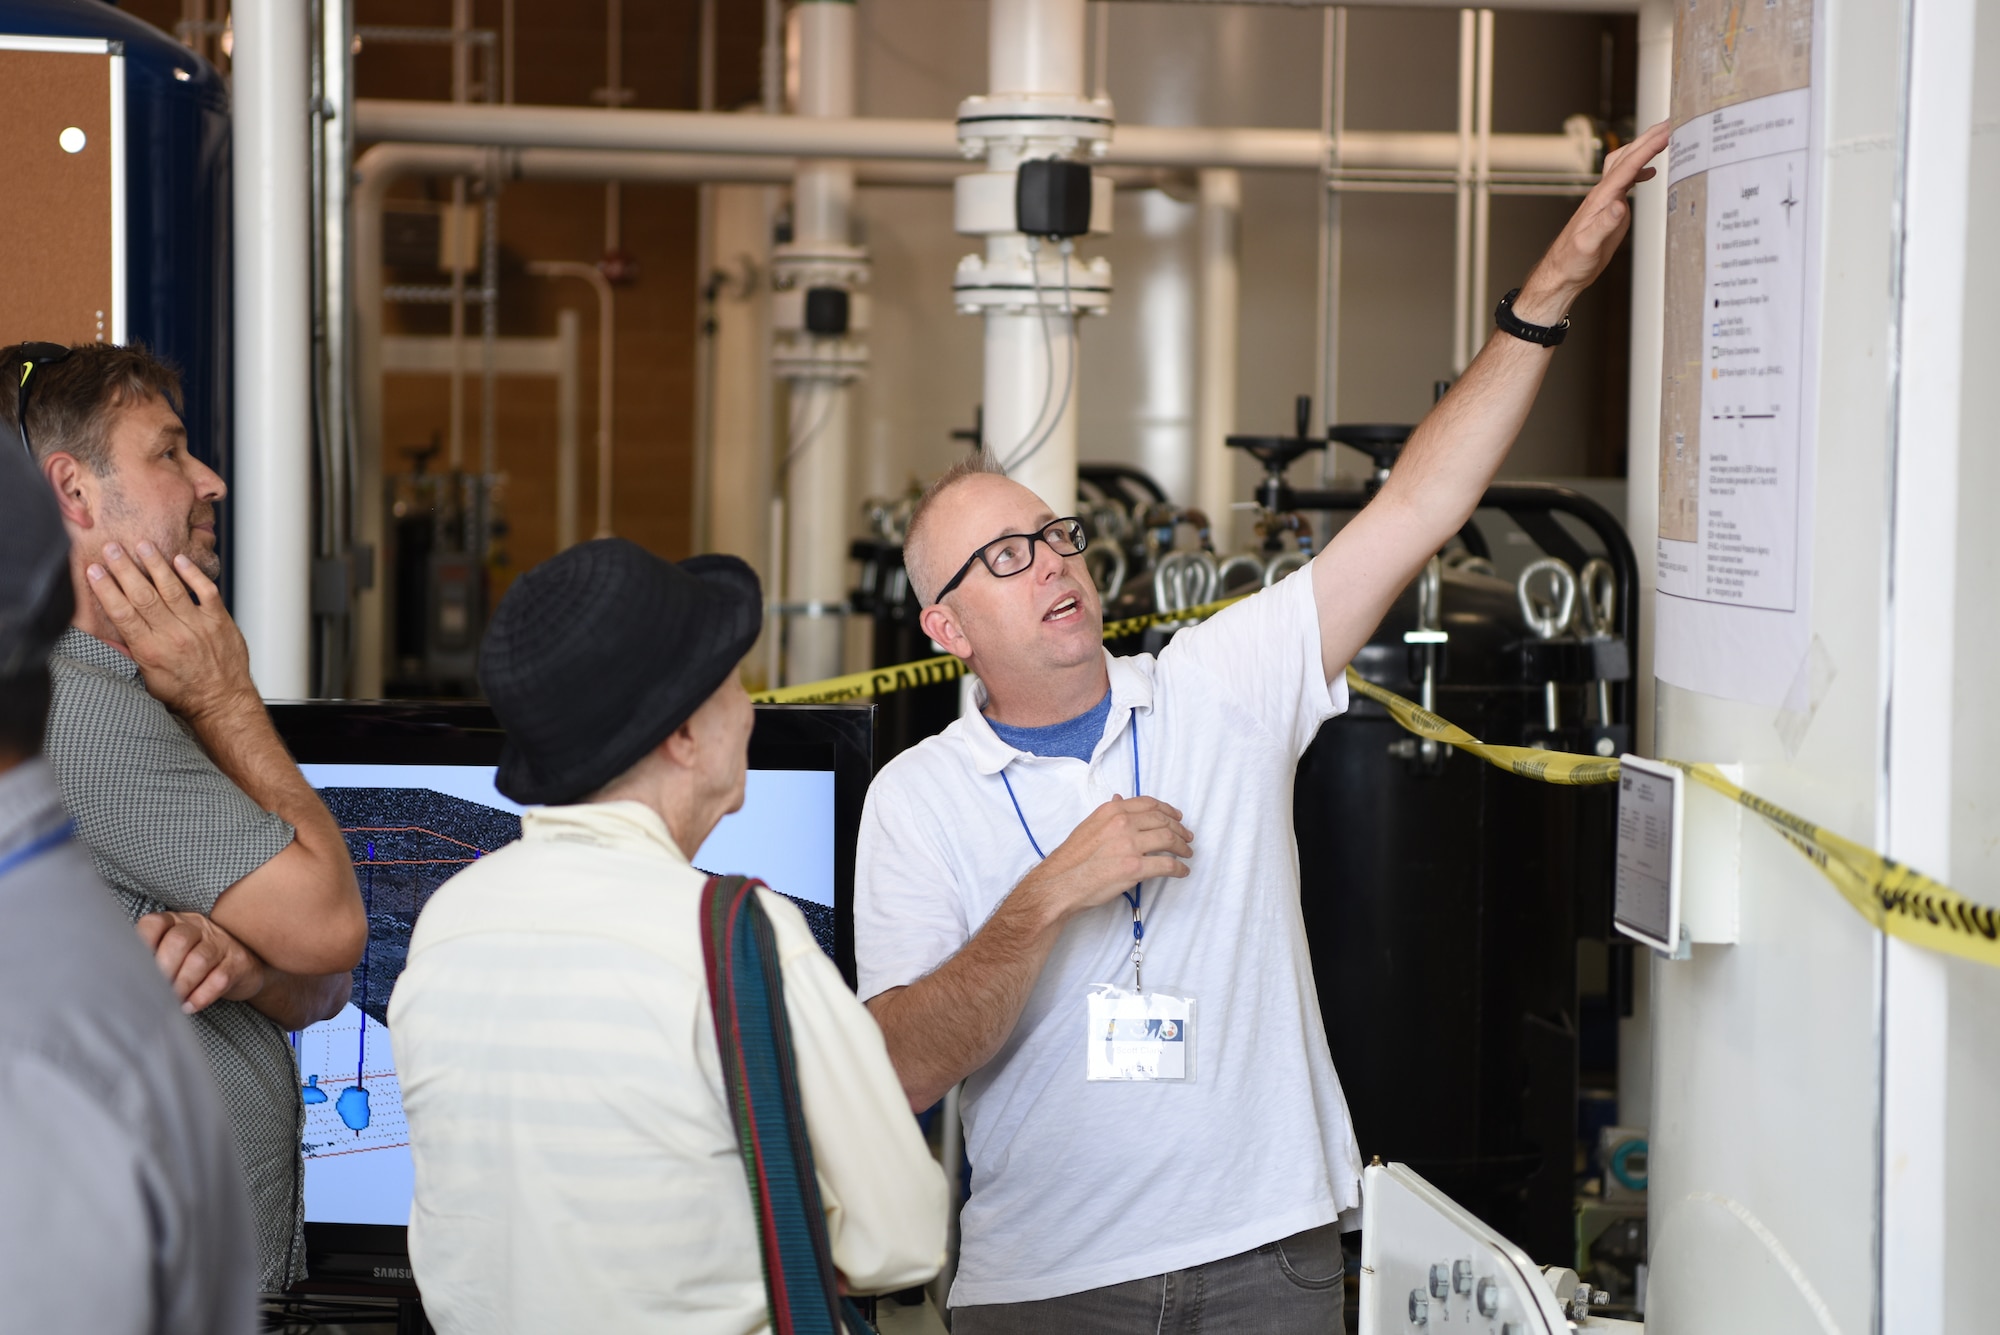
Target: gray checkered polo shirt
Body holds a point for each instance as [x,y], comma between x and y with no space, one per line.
[168,830]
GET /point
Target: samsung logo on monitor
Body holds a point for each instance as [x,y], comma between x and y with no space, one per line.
[394,1272]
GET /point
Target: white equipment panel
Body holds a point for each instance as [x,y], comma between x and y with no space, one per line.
[1427,1265]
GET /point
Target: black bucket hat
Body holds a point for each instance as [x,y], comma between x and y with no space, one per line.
[596,655]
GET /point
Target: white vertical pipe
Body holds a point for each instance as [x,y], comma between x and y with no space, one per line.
[1482,192]
[1221,318]
[607,362]
[567,416]
[374,171]
[1919,645]
[1642,491]
[1333,122]
[271,160]
[1461,234]
[816,455]
[1035,47]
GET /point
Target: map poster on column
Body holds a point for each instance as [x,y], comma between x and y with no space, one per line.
[1737,393]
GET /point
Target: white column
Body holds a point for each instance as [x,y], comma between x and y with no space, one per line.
[818,368]
[1919,616]
[1220,315]
[1649,299]
[1642,505]
[272,562]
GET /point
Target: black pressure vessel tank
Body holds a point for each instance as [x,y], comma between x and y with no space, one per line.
[1443,899]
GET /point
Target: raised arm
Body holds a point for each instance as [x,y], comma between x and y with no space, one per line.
[301,911]
[1454,453]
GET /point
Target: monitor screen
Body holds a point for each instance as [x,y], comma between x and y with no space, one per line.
[415,813]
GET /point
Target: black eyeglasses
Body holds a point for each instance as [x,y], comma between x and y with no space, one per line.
[1015,553]
[32,355]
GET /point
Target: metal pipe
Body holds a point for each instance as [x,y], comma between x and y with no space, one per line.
[1482,189]
[1533,6]
[374,171]
[1191,147]
[816,454]
[1035,50]
[1220,335]
[567,481]
[606,369]
[273,353]
[1461,219]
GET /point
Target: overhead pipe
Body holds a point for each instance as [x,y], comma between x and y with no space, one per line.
[1530,6]
[1570,153]
[271,154]
[382,164]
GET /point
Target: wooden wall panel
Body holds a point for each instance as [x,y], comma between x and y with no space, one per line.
[55,207]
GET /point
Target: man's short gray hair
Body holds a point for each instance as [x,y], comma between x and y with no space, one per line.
[916,551]
[74,402]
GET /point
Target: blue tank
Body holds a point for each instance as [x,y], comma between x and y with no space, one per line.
[177,221]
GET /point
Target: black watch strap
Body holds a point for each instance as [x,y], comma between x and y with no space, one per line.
[1545,335]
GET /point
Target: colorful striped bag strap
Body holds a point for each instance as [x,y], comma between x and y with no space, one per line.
[747,995]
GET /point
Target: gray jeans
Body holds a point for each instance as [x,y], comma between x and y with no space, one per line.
[1290,1287]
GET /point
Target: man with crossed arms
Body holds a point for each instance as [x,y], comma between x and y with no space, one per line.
[1150,1205]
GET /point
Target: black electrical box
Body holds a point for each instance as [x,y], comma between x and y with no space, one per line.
[826,311]
[1052,197]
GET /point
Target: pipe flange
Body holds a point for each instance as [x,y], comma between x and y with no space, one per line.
[1010,285]
[805,357]
[1064,124]
[809,265]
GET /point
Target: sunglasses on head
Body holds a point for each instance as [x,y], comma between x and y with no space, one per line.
[32,355]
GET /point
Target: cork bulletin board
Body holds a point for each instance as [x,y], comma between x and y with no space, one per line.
[62,235]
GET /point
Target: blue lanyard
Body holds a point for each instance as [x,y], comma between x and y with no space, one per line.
[1136,895]
[53,839]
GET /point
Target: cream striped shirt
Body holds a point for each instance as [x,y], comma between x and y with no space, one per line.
[576,1166]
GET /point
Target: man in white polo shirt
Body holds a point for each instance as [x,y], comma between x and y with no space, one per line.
[1083,900]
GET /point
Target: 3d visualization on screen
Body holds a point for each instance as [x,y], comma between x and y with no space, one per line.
[411,828]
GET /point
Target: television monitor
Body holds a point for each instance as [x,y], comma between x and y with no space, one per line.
[411,785]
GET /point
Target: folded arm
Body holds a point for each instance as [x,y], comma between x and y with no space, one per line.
[1454,453]
[204,964]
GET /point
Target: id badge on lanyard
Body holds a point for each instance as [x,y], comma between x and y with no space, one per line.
[1138,1035]
[1131,1033]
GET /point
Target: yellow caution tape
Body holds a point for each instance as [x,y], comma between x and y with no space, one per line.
[1898,900]
[1526,761]
[866,685]
[945,667]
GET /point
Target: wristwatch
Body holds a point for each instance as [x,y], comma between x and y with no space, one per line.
[1545,335]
